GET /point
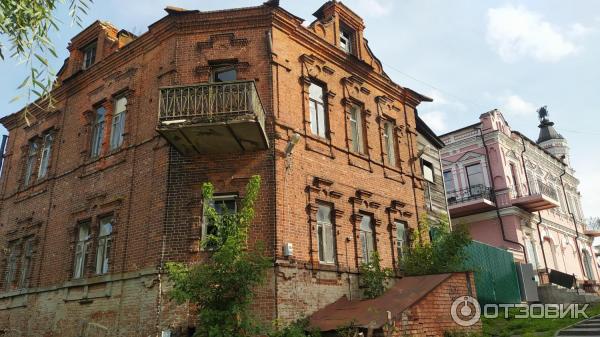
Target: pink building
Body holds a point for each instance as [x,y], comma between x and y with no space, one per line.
[518,194]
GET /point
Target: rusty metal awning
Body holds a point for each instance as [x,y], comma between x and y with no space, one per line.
[405,293]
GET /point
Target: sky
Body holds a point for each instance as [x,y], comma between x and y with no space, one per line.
[470,56]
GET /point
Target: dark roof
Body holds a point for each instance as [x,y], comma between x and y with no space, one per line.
[426,131]
[547,131]
[404,294]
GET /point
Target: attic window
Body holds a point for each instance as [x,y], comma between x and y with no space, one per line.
[89,55]
[346,37]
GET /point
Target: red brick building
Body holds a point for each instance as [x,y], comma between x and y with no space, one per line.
[100,191]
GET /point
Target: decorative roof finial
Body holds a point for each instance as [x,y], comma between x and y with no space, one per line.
[543,113]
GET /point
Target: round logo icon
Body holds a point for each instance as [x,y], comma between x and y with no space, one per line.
[465,311]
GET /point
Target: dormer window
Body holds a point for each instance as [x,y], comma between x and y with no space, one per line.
[89,55]
[346,36]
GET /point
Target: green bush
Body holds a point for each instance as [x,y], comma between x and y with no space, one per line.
[222,287]
[373,278]
[444,253]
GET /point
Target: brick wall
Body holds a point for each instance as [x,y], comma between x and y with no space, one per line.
[431,316]
[153,192]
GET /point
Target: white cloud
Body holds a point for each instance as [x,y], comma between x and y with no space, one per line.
[436,120]
[579,30]
[374,7]
[516,106]
[515,32]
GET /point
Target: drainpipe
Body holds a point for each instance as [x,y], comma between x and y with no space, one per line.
[562,184]
[538,212]
[444,187]
[412,155]
[487,157]
[2,148]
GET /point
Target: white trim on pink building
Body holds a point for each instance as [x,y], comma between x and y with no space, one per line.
[519,196]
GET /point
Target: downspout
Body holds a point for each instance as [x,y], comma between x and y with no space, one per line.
[538,212]
[487,157]
[562,184]
[444,187]
[413,159]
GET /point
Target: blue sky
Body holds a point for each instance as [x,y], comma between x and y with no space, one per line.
[470,56]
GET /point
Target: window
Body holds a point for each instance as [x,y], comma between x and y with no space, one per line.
[26,263]
[81,247]
[223,205]
[587,263]
[46,153]
[513,172]
[318,123]
[346,37]
[427,168]
[367,237]
[325,235]
[11,265]
[98,132]
[89,55]
[389,141]
[356,129]
[224,74]
[531,254]
[118,123]
[448,181]
[31,158]
[104,243]
[401,238]
[475,178]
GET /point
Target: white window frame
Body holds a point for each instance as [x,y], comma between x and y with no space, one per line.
[346,37]
[326,237]
[318,110]
[26,263]
[48,139]
[89,55]
[98,132]
[401,237]
[425,164]
[356,129]
[81,248]
[118,123]
[215,199]
[11,265]
[32,152]
[390,142]
[367,237]
[104,245]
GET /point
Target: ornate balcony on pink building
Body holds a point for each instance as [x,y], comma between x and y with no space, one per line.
[224,117]
[471,200]
[541,197]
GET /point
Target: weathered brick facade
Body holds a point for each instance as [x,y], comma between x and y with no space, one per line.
[152,192]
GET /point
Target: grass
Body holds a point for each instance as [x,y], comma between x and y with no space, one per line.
[542,327]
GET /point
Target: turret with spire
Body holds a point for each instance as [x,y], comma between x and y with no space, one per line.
[550,139]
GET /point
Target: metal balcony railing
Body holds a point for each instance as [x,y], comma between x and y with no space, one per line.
[546,190]
[209,103]
[474,192]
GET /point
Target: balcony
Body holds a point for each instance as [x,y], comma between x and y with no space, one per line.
[541,197]
[225,117]
[472,200]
